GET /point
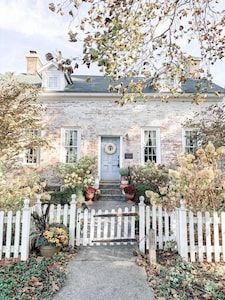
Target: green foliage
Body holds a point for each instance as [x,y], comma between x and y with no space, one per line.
[38,278]
[124,171]
[172,278]
[62,197]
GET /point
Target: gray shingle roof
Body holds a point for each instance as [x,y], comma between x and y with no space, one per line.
[99,84]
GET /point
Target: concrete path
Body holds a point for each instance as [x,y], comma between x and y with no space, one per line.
[105,273]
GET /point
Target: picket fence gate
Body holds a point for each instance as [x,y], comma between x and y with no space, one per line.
[199,237]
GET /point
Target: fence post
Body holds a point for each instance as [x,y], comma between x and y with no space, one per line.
[152,246]
[142,236]
[182,225]
[25,238]
[38,205]
[72,220]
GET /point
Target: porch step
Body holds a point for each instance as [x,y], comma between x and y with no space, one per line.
[108,197]
[115,192]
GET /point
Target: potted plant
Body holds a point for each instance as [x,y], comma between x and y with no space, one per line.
[129,192]
[51,240]
[90,193]
[48,238]
[124,173]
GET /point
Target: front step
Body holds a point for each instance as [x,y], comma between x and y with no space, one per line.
[112,186]
[111,198]
[110,191]
[114,192]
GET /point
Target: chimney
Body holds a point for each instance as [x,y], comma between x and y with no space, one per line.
[33,62]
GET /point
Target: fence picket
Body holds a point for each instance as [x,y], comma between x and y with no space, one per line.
[112,226]
[85,228]
[106,224]
[126,210]
[191,236]
[8,235]
[51,213]
[1,232]
[72,222]
[223,233]
[119,224]
[216,236]
[147,224]
[78,227]
[200,237]
[99,226]
[92,227]
[65,215]
[208,237]
[132,230]
[160,228]
[166,226]
[58,214]
[17,235]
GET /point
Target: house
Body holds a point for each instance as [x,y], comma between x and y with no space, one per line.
[83,118]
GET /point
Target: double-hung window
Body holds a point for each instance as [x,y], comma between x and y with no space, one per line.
[53,82]
[190,140]
[32,154]
[151,145]
[70,145]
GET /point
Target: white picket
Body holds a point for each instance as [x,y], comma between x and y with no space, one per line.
[132,230]
[78,226]
[191,236]
[92,227]
[208,237]
[99,226]
[17,235]
[51,213]
[126,210]
[166,226]
[112,227]
[72,224]
[58,214]
[1,232]
[106,225]
[85,228]
[8,235]
[223,233]
[119,224]
[160,227]
[216,236]
[65,215]
[147,222]
[200,237]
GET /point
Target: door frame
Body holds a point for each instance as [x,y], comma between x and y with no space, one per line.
[100,151]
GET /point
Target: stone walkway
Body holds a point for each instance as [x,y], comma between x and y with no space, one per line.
[105,273]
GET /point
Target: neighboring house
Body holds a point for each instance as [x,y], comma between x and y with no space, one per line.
[82,119]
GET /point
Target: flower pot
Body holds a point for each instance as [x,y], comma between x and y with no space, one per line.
[48,251]
[129,197]
[123,184]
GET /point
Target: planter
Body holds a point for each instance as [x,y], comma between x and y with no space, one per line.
[48,251]
[129,197]
[90,194]
[124,183]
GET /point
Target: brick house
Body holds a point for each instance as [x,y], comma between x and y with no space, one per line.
[82,118]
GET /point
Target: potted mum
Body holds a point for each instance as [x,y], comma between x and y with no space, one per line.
[129,192]
[52,240]
[90,193]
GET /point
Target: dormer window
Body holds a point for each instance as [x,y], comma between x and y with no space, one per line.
[53,82]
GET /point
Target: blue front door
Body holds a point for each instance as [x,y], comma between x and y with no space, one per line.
[110,158]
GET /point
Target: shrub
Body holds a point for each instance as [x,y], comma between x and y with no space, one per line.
[79,175]
[62,197]
[130,189]
[198,181]
[124,172]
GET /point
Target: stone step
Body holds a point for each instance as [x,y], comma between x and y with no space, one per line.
[111,198]
[116,192]
[109,186]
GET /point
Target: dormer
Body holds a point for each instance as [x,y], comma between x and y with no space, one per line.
[52,78]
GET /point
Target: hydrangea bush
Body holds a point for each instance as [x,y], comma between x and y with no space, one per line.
[79,175]
[198,181]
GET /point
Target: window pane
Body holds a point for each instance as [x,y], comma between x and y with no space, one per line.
[71,154]
[32,156]
[150,148]
[191,141]
[53,82]
[70,138]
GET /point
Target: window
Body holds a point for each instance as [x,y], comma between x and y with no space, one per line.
[53,82]
[32,154]
[70,137]
[151,146]
[190,143]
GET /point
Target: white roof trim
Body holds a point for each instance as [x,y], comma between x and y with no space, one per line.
[47,66]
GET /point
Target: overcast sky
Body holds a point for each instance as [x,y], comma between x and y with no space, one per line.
[29,25]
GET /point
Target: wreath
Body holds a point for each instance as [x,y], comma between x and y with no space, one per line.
[110,148]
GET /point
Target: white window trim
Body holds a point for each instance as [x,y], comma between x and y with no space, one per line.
[62,148]
[158,144]
[184,138]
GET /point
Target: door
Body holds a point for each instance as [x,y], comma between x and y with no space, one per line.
[110,158]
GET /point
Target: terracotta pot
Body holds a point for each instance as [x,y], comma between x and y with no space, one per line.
[49,251]
[124,183]
[89,195]
[129,197]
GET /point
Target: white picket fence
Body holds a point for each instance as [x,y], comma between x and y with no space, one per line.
[199,237]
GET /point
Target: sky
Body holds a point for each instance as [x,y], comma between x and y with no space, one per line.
[29,25]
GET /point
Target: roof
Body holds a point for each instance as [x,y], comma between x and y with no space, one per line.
[99,84]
